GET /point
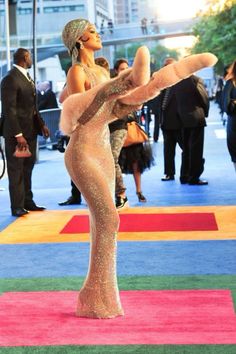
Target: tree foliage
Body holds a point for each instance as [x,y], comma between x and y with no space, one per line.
[216,32]
[159,53]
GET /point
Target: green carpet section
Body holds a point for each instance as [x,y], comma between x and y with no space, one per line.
[114,349]
[126,283]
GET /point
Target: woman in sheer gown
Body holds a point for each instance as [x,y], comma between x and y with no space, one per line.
[92,102]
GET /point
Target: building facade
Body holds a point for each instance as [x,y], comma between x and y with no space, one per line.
[51,16]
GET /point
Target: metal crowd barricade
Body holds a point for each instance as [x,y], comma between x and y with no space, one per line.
[51,118]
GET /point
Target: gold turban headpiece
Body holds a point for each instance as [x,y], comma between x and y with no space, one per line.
[70,34]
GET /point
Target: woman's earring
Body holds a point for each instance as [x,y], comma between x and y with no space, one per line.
[81,46]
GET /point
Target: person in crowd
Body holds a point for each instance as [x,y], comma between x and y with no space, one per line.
[46,97]
[154,109]
[110,25]
[118,132]
[229,106]
[154,25]
[104,63]
[94,100]
[192,107]
[21,125]
[144,25]
[135,159]
[145,116]
[171,126]
[75,197]
[219,91]
[102,27]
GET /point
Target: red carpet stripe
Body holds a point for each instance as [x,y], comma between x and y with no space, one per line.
[150,223]
[151,317]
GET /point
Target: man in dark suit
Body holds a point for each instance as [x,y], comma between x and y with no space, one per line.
[192,106]
[21,125]
[172,131]
[169,120]
[182,111]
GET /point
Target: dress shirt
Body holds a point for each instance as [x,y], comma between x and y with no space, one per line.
[22,70]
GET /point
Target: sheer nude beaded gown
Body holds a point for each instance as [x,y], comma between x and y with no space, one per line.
[89,161]
[91,166]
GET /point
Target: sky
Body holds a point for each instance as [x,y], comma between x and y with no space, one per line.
[178,9]
[171,10]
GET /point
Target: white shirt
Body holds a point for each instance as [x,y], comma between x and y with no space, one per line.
[22,70]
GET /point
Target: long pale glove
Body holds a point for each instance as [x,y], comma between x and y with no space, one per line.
[128,91]
[168,76]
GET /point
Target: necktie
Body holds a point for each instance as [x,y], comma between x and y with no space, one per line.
[165,98]
[30,80]
[33,87]
[164,104]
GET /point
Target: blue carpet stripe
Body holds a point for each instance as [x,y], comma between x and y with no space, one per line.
[134,258]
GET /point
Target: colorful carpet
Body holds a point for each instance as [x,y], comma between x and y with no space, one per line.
[177,276]
[150,222]
[134,258]
[46,227]
[151,317]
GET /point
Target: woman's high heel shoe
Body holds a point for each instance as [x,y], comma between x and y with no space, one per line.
[141,197]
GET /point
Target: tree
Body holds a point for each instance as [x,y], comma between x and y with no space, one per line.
[216,32]
[159,53]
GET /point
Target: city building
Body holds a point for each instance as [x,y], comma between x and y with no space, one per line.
[50,18]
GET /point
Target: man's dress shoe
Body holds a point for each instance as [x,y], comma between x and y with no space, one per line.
[168,178]
[200,182]
[70,201]
[19,212]
[34,207]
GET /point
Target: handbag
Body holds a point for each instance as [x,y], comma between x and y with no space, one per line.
[22,152]
[135,134]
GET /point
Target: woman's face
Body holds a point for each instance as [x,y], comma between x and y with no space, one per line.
[122,67]
[91,39]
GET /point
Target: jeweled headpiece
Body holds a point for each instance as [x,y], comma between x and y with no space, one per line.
[70,34]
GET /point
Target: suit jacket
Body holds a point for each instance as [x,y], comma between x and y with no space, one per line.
[19,110]
[192,102]
[169,115]
[47,100]
[229,93]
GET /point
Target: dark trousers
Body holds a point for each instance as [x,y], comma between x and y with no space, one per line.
[117,139]
[156,128]
[75,192]
[192,160]
[20,173]
[231,137]
[171,139]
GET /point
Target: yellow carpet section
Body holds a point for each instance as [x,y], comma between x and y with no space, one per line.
[45,227]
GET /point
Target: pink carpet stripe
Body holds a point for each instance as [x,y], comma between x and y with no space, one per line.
[151,317]
[150,223]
